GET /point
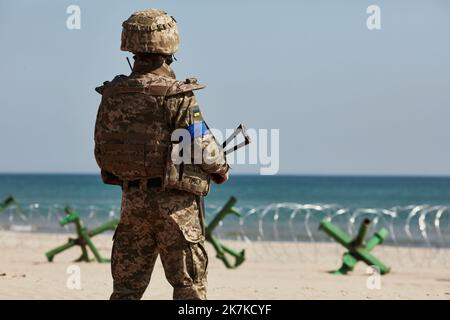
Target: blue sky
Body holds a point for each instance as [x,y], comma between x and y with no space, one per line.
[346,100]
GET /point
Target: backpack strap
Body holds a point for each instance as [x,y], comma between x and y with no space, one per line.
[187,85]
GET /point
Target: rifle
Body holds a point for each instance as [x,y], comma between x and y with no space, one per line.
[240,129]
[221,249]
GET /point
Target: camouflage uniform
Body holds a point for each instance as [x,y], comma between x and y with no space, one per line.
[161,221]
[132,135]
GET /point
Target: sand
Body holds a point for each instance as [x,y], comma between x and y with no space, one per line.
[271,271]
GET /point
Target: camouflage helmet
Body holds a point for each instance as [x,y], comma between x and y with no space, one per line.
[151,31]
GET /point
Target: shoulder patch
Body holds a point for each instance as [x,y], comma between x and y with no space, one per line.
[196,112]
[198,129]
[196,115]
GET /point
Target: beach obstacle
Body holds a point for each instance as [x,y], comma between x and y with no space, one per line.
[10,200]
[83,239]
[17,212]
[358,249]
[221,249]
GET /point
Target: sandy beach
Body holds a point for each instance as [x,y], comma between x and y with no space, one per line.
[271,271]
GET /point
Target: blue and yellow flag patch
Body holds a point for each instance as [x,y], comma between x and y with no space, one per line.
[198,129]
[196,113]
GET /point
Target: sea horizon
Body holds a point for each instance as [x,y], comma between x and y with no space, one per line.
[293,205]
[338,175]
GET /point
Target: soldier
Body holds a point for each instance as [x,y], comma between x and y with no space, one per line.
[162,209]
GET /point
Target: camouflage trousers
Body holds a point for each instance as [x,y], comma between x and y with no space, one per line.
[165,222]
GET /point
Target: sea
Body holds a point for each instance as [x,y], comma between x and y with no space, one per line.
[415,210]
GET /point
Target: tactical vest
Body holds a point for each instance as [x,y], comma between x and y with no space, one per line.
[133,131]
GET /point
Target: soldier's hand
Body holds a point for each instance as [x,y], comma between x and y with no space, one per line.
[218,178]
